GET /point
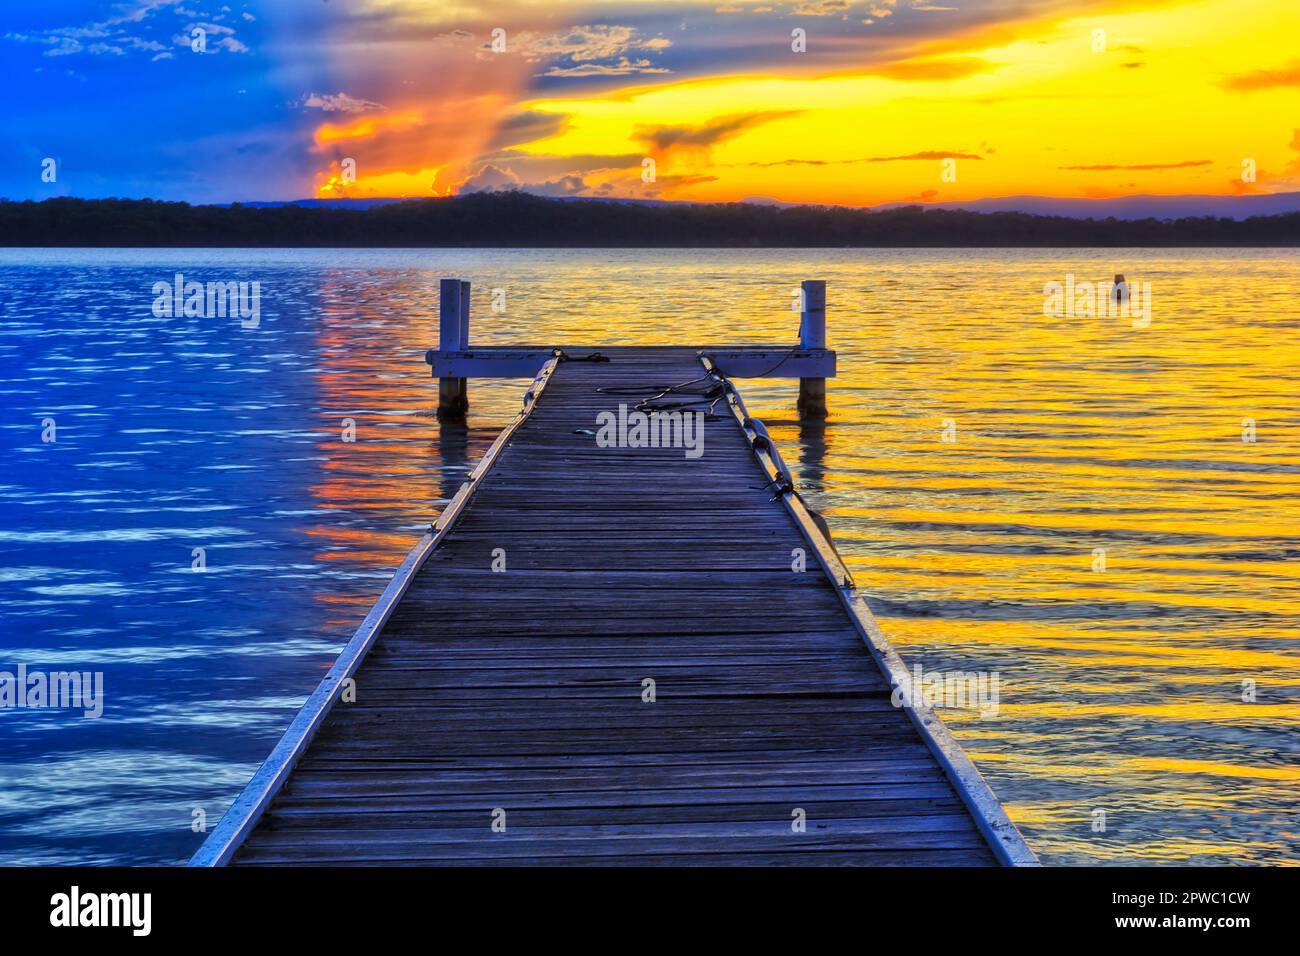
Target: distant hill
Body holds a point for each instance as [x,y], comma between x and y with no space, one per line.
[1133,207]
[350,203]
[1125,207]
[515,219]
[342,203]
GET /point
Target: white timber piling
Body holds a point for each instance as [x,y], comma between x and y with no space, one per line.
[812,335]
[453,336]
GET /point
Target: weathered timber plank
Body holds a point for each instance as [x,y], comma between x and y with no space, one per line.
[522,689]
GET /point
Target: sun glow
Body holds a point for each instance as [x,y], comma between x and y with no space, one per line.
[1121,99]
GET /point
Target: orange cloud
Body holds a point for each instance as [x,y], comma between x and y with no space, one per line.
[368,127]
[936,155]
[1108,166]
[400,153]
[947,69]
[1265,79]
[705,135]
[434,99]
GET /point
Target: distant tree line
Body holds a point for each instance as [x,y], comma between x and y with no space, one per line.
[520,219]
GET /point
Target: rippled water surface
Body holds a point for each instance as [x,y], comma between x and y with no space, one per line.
[1121,689]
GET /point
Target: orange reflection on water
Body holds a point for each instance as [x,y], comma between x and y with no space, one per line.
[1163,683]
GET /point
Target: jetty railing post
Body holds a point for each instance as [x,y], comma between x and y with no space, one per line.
[464,313]
[453,336]
[812,335]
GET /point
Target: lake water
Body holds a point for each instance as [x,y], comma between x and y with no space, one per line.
[982,462]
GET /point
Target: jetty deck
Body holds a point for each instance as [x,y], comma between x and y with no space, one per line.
[501,710]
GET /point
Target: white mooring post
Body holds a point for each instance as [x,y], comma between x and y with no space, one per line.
[812,335]
[464,313]
[453,336]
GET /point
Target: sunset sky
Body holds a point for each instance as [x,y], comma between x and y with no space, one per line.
[891,101]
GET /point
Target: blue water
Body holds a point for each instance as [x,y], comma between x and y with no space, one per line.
[176,434]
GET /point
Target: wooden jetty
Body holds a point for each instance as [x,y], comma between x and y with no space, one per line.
[619,656]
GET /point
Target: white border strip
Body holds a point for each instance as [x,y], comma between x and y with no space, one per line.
[242,816]
[1006,842]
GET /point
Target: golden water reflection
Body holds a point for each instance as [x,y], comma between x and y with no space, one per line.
[1123,689]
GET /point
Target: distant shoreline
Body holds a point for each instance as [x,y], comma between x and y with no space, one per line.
[520,220]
